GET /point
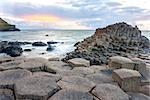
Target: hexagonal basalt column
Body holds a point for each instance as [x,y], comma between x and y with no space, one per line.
[9,77]
[35,88]
[129,80]
[118,62]
[71,95]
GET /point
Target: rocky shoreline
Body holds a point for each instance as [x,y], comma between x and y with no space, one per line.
[113,64]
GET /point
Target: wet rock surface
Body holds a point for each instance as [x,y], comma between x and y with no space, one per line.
[117,39]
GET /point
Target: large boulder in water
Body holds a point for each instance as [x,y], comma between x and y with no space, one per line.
[39,44]
[117,39]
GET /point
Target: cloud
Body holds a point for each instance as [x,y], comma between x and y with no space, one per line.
[74,13]
[113,4]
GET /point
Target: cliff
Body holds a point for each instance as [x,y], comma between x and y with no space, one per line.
[4,26]
[117,39]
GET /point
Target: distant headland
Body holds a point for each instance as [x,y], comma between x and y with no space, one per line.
[4,26]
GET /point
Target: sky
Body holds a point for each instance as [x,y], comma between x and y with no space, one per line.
[75,14]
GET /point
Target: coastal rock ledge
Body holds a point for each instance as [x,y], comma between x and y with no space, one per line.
[117,39]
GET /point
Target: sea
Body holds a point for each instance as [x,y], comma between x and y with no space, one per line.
[66,39]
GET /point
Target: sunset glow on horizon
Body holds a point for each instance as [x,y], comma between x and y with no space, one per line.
[40,17]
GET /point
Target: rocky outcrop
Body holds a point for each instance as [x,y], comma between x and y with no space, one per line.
[12,49]
[117,39]
[4,26]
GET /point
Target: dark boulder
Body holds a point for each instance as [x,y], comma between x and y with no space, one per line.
[52,42]
[19,43]
[49,48]
[27,50]
[39,44]
[13,50]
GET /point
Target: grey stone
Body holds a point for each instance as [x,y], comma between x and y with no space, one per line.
[76,83]
[35,88]
[109,92]
[129,80]
[9,77]
[5,59]
[98,68]
[100,78]
[139,63]
[54,77]
[37,59]
[32,65]
[69,73]
[138,96]
[71,95]
[6,94]
[11,65]
[83,71]
[57,66]
[145,71]
[78,62]
[145,89]
[117,62]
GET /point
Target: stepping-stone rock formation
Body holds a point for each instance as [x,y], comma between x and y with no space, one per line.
[57,66]
[76,83]
[116,39]
[129,80]
[36,88]
[9,77]
[83,71]
[54,77]
[145,89]
[72,95]
[99,78]
[10,65]
[98,68]
[109,92]
[118,62]
[77,62]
